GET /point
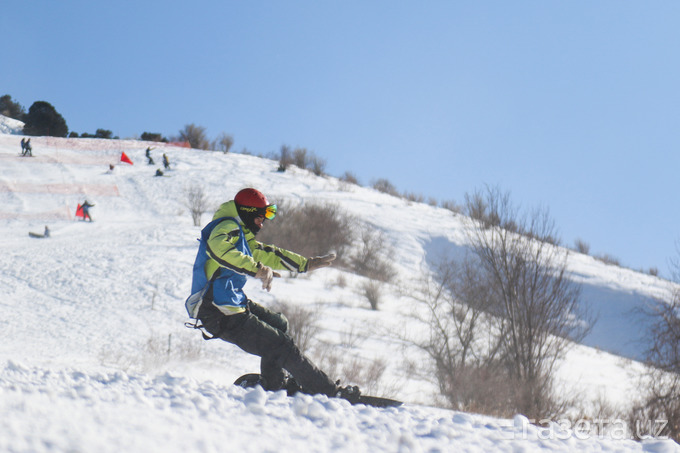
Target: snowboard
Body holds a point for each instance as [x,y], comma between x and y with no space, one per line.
[253,379]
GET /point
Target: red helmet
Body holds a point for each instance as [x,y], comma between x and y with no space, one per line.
[251,198]
[251,203]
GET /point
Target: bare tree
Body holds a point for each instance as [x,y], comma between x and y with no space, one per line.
[310,229]
[582,246]
[535,304]
[385,186]
[196,202]
[462,345]
[499,319]
[452,206]
[350,178]
[195,135]
[285,158]
[300,158]
[373,291]
[224,142]
[662,398]
[302,324]
[371,258]
[317,165]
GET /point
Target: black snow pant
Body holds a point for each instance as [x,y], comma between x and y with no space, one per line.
[262,332]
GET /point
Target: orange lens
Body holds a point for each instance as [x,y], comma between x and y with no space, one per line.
[270,213]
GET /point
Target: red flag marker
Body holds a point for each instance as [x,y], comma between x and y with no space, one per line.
[124,158]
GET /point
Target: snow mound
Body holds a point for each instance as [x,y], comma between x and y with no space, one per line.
[10,126]
[80,410]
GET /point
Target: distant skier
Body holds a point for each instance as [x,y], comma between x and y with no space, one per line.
[232,254]
[166,162]
[148,156]
[85,207]
[23,146]
[46,234]
[28,150]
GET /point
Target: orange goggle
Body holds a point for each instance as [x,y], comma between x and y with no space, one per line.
[270,212]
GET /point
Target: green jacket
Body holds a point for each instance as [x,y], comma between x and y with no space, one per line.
[227,253]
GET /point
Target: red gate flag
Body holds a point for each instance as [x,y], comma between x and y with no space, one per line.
[79,211]
[124,158]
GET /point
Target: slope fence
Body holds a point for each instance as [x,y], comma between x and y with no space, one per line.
[81,144]
[62,213]
[103,190]
[68,159]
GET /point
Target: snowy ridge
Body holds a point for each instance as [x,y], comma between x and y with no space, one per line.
[94,355]
[10,125]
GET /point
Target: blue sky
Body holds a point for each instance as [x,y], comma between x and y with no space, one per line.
[573,106]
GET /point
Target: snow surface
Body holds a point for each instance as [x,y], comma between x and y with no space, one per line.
[94,355]
[10,125]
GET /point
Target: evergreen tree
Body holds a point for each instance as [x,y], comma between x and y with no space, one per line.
[103,133]
[43,119]
[153,137]
[11,109]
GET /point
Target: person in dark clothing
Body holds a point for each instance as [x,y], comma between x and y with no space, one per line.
[86,210]
[227,313]
[23,146]
[28,150]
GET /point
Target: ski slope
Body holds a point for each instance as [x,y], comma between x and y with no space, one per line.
[94,355]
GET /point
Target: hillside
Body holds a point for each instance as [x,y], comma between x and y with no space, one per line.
[94,354]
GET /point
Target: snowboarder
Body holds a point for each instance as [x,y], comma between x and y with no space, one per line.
[86,210]
[148,156]
[227,313]
[166,162]
[46,234]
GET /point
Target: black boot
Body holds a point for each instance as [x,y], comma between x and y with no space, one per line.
[350,392]
[291,386]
